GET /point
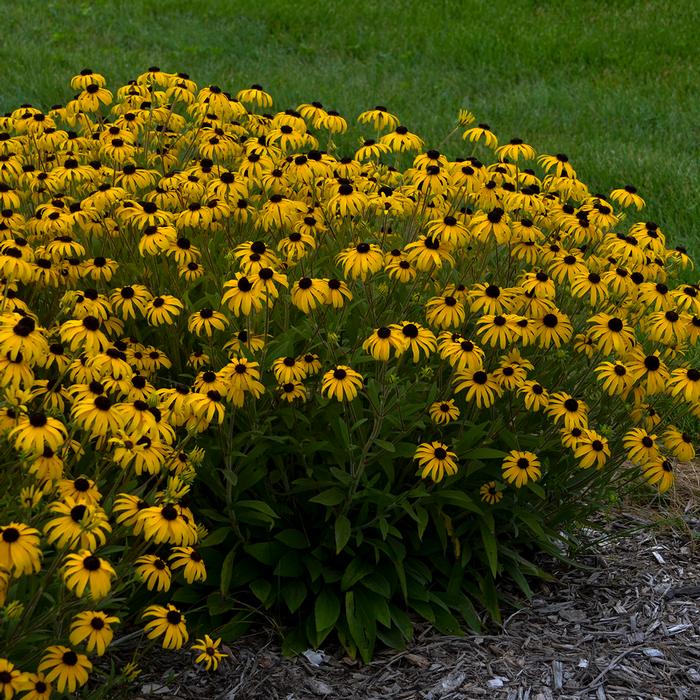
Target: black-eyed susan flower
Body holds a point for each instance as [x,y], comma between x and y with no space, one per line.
[379,118]
[420,340]
[435,460]
[337,293]
[341,382]
[490,298]
[519,467]
[490,493]
[242,296]
[167,523]
[554,328]
[445,312]
[190,562]
[591,286]
[36,431]
[154,572]
[20,552]
[564,407]
[614,377]
[361,260]
[648,370]
[85,571]
[641,446]
[656,295]
[592,450]
[310,362]
[612,333]
[76,525]
[429,253]
[10,679]
[162,310]
[210,657]
[23,338]
[166,622]
[480,386]
[308,293]
[383,340]
[288,369]
[98,416]
[515,149]
[401,140]
[660,473]
[84,334]
[94,628]
[679,443]
[627,196]
[460,352]
[443,412]
[36,686]
[292,390]
[685,382]
[509,375]
[536,397]
[479,133]
[66,668]
[499,330]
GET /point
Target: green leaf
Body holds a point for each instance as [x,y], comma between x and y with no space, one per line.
[422,517]
[266,552]
[485,453]
[330,497]
[516,574]
[536,489]
[402,622]
[326,610]
[216,536]
[373,605]
[341,476]
[295,539]
[294,642]
[290,565]
[445,622]
[342,533]
[377,583]
[226,572]
[457,498]
[490,547]
[294,594]
[489,597]
[254,512]
[216,605]
[262,590]
[532,522]
[385,445]
[362,628]
[356,571]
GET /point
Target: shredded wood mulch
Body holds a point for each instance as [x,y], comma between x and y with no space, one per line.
[626,626]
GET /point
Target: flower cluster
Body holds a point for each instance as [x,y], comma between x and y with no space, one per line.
[173,258]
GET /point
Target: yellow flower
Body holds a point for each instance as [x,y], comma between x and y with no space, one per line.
[342,382]
[520,467]
[168,623]
[210,656]
[436,460]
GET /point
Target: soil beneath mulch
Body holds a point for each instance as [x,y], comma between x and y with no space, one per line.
[626,626]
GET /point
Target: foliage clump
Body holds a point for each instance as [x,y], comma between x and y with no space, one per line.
[253,368]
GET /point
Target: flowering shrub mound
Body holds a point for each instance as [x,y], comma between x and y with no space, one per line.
[252,368]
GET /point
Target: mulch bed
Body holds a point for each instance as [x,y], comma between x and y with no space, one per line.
[627,626]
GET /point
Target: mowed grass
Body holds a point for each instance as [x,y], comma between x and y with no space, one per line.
[613,85]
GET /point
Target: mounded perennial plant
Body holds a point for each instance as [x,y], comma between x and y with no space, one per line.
[256,369]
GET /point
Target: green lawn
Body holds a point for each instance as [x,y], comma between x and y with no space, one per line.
[613,85]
